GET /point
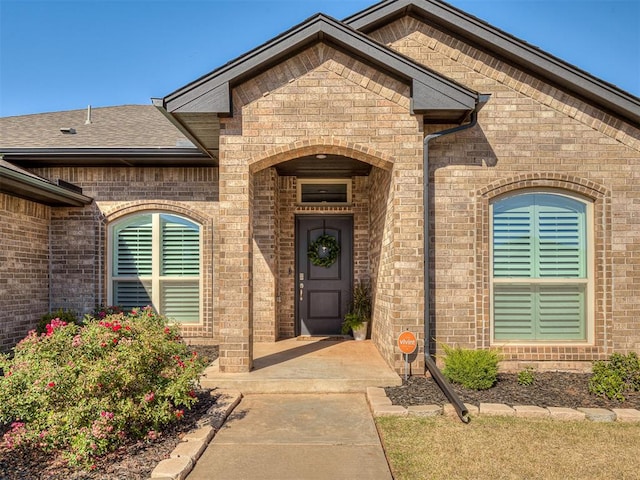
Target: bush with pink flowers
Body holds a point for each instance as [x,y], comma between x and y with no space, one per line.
[84,390]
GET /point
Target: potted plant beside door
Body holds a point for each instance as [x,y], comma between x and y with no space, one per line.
[357,320]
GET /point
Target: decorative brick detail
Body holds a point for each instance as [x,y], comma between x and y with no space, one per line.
[479,69]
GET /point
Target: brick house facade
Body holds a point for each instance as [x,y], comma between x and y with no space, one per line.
[510,136]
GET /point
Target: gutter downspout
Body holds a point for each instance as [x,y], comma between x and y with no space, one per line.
[437,375]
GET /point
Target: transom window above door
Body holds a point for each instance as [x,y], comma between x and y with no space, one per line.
[322,191]
[155,260]
[542,280]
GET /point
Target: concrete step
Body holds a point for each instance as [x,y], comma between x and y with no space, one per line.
[297,385]
[308,366]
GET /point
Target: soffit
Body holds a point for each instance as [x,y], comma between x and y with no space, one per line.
[484,36]
[107,157]
[332,166]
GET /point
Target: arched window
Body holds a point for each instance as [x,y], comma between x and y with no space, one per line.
[155,260]
[541,268]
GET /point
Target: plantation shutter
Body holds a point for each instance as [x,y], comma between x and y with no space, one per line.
[180,247]
[513,253]
[561,311]
[156,261]
[181,301]
[561,237]
[513,307]
[134,249]
[132,294]
[539,236]
[180,257]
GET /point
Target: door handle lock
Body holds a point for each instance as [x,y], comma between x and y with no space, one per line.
[301,291]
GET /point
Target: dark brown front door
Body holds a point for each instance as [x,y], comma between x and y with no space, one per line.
[322,292]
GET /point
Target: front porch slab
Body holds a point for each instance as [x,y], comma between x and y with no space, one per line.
[307,366]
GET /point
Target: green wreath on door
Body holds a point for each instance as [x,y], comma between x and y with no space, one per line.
[324,251]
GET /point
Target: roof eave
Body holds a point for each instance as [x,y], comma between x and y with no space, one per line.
[37,190]
[105,156]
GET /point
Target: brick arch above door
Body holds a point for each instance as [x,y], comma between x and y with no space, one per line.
[321,145]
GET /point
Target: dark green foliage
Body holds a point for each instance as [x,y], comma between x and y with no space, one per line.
[67,316]
[351,322]
[474,369]
[359,308]
[615,377]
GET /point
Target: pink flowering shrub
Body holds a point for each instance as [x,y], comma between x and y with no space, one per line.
[66,316]
[84,390]
[106,310]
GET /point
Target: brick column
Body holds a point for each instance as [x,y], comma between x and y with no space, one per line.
[234,269]
[408,230]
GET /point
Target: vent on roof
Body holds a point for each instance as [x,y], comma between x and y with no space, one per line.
[68,130]
[69,186]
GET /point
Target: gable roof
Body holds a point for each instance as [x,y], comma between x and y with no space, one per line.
[110,136]
[483,35]
[432,94]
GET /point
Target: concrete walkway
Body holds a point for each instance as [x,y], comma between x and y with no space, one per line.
[303,414]
[296,436]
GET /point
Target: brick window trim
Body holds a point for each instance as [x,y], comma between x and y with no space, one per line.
[206,329]
[603,267]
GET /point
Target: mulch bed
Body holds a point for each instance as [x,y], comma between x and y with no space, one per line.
[135,461]
[554,389]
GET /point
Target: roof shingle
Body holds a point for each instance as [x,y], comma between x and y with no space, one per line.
[127,126]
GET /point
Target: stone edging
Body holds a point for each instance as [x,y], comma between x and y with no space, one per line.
[183,458]
[381,405]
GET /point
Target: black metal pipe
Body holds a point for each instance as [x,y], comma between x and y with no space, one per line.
[451,395]
[460,408]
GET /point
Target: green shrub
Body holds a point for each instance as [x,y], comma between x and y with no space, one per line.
[67,316]
[84,390]
[474,369]
[526,377]
[615,377]
[352,321]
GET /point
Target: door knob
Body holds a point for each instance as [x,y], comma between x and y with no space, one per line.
[301,291]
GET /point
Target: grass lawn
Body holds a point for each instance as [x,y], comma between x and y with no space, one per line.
[509,448]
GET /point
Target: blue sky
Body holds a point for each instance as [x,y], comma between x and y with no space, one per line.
[64,55]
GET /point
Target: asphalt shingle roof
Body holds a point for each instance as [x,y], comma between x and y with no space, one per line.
[127,126]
